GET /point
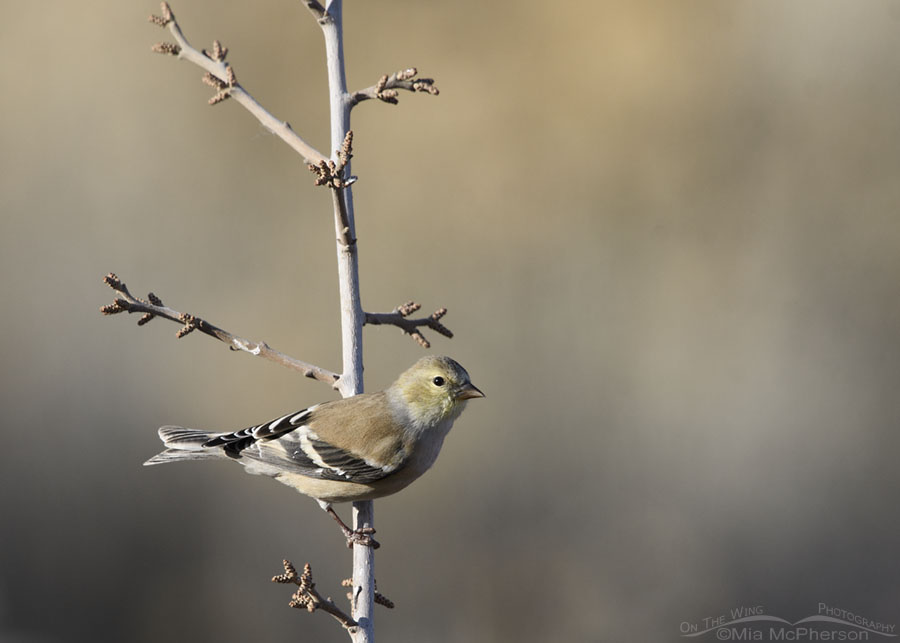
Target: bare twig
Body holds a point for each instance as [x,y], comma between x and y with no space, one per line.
[400,318]
[307,596]
[154,307]
[214,64]
[386,87]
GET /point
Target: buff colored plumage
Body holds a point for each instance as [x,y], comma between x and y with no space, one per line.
[358,448]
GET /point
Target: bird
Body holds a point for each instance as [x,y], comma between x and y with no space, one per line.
[357,448]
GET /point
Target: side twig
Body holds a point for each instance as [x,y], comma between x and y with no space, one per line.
[153,307]
[399,317]
[220,75]
[386,88]
[308,597]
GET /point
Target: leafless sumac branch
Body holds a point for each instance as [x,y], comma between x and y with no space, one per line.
[386,88]
[335,174]
[399,317]
[220,75]
[308,597]
[153,307]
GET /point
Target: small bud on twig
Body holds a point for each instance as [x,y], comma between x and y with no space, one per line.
[381,599]
[166,17]
[166,48]
[332,174]
[112,309]
[408,308]
[191,323]
[218,98]
[213,82]
[219,52]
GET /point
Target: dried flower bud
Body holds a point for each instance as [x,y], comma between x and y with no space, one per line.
[427,86]
[113,281]
[213,81]
[218,98]
[166,48]
[219,52]
[389,96]
[408,308]
[381,599]
[112,309]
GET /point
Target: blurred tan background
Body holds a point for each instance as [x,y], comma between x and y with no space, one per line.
[666,232]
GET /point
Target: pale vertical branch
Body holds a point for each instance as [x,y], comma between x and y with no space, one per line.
[335,174]
[352,315]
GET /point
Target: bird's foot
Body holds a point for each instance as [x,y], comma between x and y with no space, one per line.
[361,536]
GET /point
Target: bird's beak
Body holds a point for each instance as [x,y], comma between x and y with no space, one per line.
[469,392]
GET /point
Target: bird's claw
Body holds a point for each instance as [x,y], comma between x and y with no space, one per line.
[361,536]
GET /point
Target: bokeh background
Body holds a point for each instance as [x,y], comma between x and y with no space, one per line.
[667,235]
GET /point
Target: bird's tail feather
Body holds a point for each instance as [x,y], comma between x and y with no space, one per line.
[183,444]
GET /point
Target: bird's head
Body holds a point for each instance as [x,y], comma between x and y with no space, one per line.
[434,389]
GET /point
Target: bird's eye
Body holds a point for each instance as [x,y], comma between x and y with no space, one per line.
[438,381]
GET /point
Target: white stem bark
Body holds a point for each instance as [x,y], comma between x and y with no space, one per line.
[352,315]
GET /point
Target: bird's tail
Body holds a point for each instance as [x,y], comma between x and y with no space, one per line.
[184,444]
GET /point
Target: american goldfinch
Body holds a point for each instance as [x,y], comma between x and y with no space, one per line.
[356,448]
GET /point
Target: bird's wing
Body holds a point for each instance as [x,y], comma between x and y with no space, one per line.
[235,442]
[288,444]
